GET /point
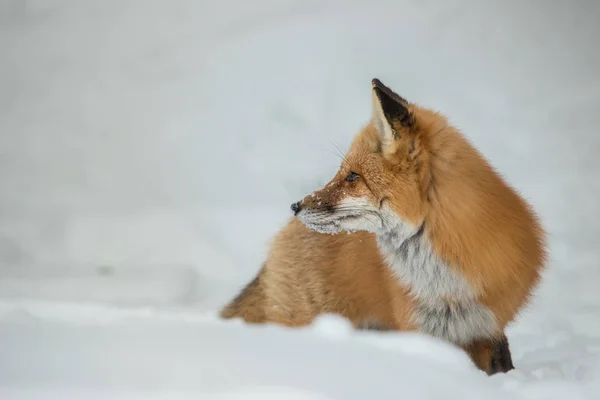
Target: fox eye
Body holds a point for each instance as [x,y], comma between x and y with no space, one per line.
[352,176]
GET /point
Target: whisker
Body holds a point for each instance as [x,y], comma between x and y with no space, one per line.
[335,154]
[341,153]
[317,212]
[357,210]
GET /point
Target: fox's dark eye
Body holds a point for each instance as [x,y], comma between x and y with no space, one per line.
[352,176]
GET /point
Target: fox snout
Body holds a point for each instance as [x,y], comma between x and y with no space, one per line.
[318,201]
[304,205]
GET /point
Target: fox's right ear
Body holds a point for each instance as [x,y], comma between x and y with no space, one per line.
[389,113]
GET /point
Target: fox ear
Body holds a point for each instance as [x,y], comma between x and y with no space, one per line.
[389,112]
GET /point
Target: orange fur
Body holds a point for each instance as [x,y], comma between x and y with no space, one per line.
[416,164]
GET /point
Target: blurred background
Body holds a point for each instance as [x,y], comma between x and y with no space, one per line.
[149,150]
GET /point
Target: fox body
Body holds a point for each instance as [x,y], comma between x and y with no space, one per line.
[415,232]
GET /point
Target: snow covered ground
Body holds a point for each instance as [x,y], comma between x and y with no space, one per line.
[150,149]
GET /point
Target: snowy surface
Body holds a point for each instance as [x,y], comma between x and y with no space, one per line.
[150,149]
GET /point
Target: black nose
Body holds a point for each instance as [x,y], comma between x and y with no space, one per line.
[295,207]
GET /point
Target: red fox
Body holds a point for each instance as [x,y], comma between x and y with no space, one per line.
[415,232]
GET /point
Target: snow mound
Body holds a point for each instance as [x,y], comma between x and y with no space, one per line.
[209,357]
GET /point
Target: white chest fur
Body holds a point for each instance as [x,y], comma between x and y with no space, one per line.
[447,306]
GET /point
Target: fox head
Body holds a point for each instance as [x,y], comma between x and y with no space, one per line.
[384,178]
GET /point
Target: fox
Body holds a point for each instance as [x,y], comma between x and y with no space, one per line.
[415,232]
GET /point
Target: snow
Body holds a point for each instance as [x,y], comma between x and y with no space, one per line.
[149,151]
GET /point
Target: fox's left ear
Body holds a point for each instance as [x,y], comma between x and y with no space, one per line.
[390,112]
